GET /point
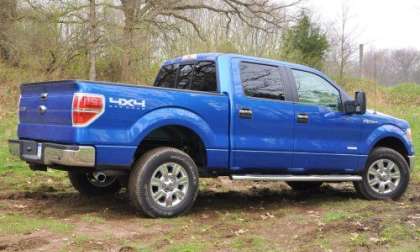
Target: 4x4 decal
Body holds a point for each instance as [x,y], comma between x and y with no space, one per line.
[127,103]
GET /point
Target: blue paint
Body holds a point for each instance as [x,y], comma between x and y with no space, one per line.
[270,142]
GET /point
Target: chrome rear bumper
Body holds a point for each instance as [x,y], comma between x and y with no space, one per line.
[51,154]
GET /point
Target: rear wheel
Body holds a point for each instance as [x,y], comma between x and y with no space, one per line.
[304,186]
[94,183]
[163,183]
[386,175]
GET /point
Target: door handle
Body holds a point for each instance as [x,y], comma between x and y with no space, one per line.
[302,118]
[245,113]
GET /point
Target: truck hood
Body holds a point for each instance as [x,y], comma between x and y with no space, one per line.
[381,118]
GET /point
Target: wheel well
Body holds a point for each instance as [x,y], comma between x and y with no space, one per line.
[395,144]
[178,137]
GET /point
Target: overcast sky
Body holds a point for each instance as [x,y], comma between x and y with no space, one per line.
[380,23]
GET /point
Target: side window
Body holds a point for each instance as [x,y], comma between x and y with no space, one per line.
[184,77]
[315,90]
[199,77]
[166,76]
[204,77]
[262,81]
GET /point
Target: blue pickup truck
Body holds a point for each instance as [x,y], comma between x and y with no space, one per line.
[211,115]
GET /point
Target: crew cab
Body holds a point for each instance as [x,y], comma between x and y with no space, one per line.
[211,115]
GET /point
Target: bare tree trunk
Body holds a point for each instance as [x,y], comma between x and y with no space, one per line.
[92,40]
[129,9]
[342,48]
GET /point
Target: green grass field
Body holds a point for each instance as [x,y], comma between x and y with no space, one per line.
[40,210]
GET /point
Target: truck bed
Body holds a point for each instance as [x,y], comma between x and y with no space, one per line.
[129,111]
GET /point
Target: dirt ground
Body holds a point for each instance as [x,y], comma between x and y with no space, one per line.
[228,216]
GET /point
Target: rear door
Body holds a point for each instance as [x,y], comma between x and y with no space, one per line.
[262,137]
[326,139]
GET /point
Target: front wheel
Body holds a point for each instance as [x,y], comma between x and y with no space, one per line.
[163,183]
[385,176]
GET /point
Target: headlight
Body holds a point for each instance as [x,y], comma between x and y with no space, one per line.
[409,135]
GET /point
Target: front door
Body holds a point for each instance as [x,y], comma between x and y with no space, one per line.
[326,140]
[262,118]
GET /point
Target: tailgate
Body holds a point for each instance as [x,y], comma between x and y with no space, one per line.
[45,111]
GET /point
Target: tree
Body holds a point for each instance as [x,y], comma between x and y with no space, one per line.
[79,20]
[126,40]
[405,62]
[343,47]
[7,19]
[92,44]
[390,67]
[305,43]
[161,15]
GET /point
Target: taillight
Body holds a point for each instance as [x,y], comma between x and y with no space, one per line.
[86,108]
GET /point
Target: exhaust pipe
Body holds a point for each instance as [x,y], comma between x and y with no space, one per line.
[100,177]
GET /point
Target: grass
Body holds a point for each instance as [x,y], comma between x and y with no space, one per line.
[250,243]
[334,216]
[183,234]
[187,247]
[93,219]
[80,240]
[359,240]
[397,232]
[21,224]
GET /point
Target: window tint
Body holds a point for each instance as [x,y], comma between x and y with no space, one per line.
[184,77]
[199,77]
[313,89]
[204,77]
[167,76]
[262,81]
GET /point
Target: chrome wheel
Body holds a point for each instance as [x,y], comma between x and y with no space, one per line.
[99,179]
[383,176]
[169,184]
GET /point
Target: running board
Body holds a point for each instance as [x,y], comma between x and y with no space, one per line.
[323,178]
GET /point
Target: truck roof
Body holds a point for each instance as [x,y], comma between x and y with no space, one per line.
[213,57]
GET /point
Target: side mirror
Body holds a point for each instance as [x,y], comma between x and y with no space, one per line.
[360,100]
[358,105]
[349,107]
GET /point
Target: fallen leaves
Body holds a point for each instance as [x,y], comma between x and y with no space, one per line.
[240,231]
[266,215]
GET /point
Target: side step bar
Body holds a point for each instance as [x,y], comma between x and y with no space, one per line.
[323,178]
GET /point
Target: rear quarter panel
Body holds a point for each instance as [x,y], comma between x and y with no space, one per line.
[120,130]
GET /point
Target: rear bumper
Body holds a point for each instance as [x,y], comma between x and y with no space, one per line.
[412,162]
[51,154]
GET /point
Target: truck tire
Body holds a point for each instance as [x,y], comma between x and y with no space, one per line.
[163,183]
[304,186]
[88,185]
[385,176]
